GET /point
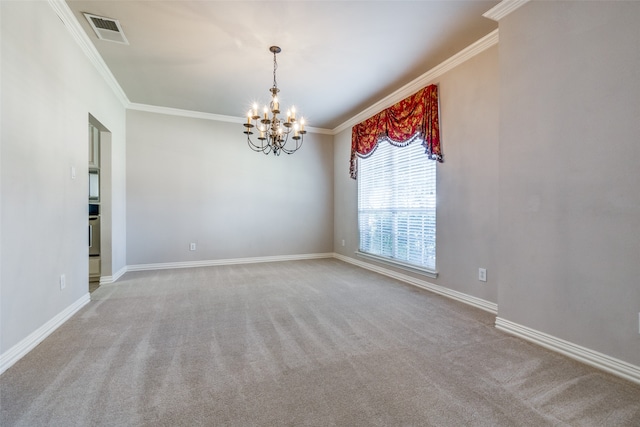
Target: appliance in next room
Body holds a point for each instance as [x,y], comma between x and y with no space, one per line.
[94,185]
[94,235]
[94,242]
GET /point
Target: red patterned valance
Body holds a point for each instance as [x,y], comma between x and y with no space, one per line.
[415,117]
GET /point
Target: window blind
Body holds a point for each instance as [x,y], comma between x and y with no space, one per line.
[397,204]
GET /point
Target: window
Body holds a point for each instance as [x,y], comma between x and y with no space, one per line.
[397,205]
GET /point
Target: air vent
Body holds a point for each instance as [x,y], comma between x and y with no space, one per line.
[106,28]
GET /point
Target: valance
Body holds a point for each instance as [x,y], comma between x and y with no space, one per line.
[415,117]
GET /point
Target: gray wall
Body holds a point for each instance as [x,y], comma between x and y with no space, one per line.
[48,90]
[195,180]
[539,185]
[467,182]
[569,240]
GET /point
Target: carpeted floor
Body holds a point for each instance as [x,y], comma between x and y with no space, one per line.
[313,343]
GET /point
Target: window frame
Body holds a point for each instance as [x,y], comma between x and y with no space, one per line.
[396,210]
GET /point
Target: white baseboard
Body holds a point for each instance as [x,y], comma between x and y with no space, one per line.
[450,293]
[15,353]
[216,262]
[590,357]
[105,280]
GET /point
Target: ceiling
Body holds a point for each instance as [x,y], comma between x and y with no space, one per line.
[337,59]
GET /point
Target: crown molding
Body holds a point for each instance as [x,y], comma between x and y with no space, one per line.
[183,113]
[503,8]
[204,116]
[73,26]
[469,52]
[69,20]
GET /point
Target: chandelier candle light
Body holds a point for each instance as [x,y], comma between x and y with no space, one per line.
[273,131]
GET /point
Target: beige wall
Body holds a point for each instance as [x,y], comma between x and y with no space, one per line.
[48,90]
[569,202]
[195,180]
[467,181]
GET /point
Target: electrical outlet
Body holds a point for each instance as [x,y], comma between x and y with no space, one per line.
[63,281]
[343,242]
[482,274]
[192,247]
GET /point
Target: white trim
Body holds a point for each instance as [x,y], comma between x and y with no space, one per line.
[590,357]
[311,129]
[441,290]
[18,351]
[397,264]
[233,261]
[204,116]
[503,8]
[105,280]
[410,88]
[69,20]
[469,52]
[184,113]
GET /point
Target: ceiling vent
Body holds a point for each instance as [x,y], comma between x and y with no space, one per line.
[106,28]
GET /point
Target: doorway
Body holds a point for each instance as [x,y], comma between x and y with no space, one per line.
[99,227]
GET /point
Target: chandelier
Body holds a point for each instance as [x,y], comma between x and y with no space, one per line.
[273,131]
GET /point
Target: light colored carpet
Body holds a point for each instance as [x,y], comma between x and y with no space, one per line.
[315,343]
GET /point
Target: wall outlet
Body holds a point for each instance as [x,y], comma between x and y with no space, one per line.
[343,242]
[63,281]
[192,247]
[482,274]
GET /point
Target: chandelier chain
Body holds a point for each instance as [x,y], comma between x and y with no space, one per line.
[275,67]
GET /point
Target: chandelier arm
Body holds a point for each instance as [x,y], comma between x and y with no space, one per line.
[298,143]
[293,150]
[252,145]
[258,148]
